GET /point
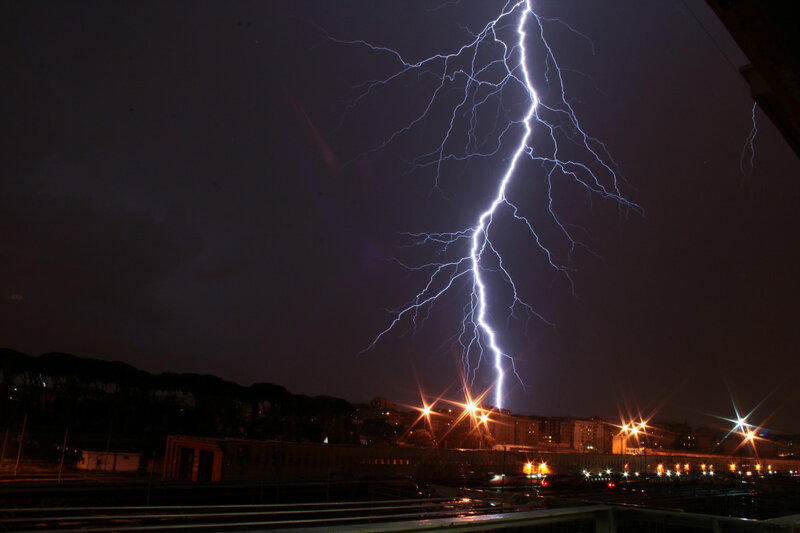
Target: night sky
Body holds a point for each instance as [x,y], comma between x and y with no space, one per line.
[185,188]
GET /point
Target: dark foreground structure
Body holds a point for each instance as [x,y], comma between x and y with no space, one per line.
[210,459]
[766,31]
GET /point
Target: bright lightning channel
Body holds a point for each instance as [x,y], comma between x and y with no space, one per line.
[482,82]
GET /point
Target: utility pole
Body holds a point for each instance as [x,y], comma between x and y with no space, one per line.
[63,449]
[150,477]
[503,479]
[3,454]
[19,448]
[108,445]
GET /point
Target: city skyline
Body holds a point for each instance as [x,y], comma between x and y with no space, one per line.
[458,419]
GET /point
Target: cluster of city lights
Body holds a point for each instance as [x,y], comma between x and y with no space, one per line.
[707,470]
[470,408]
[637,427]
[480,416]
[684,469]
[633,429]
[604,473]
[539,469]
[678,470]
[748,432]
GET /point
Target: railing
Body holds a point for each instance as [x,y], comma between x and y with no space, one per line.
[300,516]
[597,518]
[430,515]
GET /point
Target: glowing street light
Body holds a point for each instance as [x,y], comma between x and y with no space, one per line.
[632,428]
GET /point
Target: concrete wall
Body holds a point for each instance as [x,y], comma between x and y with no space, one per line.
[109,461]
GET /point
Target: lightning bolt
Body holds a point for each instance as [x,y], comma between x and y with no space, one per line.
[489,73]
[749,146]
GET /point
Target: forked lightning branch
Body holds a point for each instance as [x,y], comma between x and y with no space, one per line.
[496,116]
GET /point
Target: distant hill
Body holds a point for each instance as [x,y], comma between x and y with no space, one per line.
[97,398]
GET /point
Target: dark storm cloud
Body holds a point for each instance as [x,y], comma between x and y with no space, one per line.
[81,244]
[182,189]
[72,273]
